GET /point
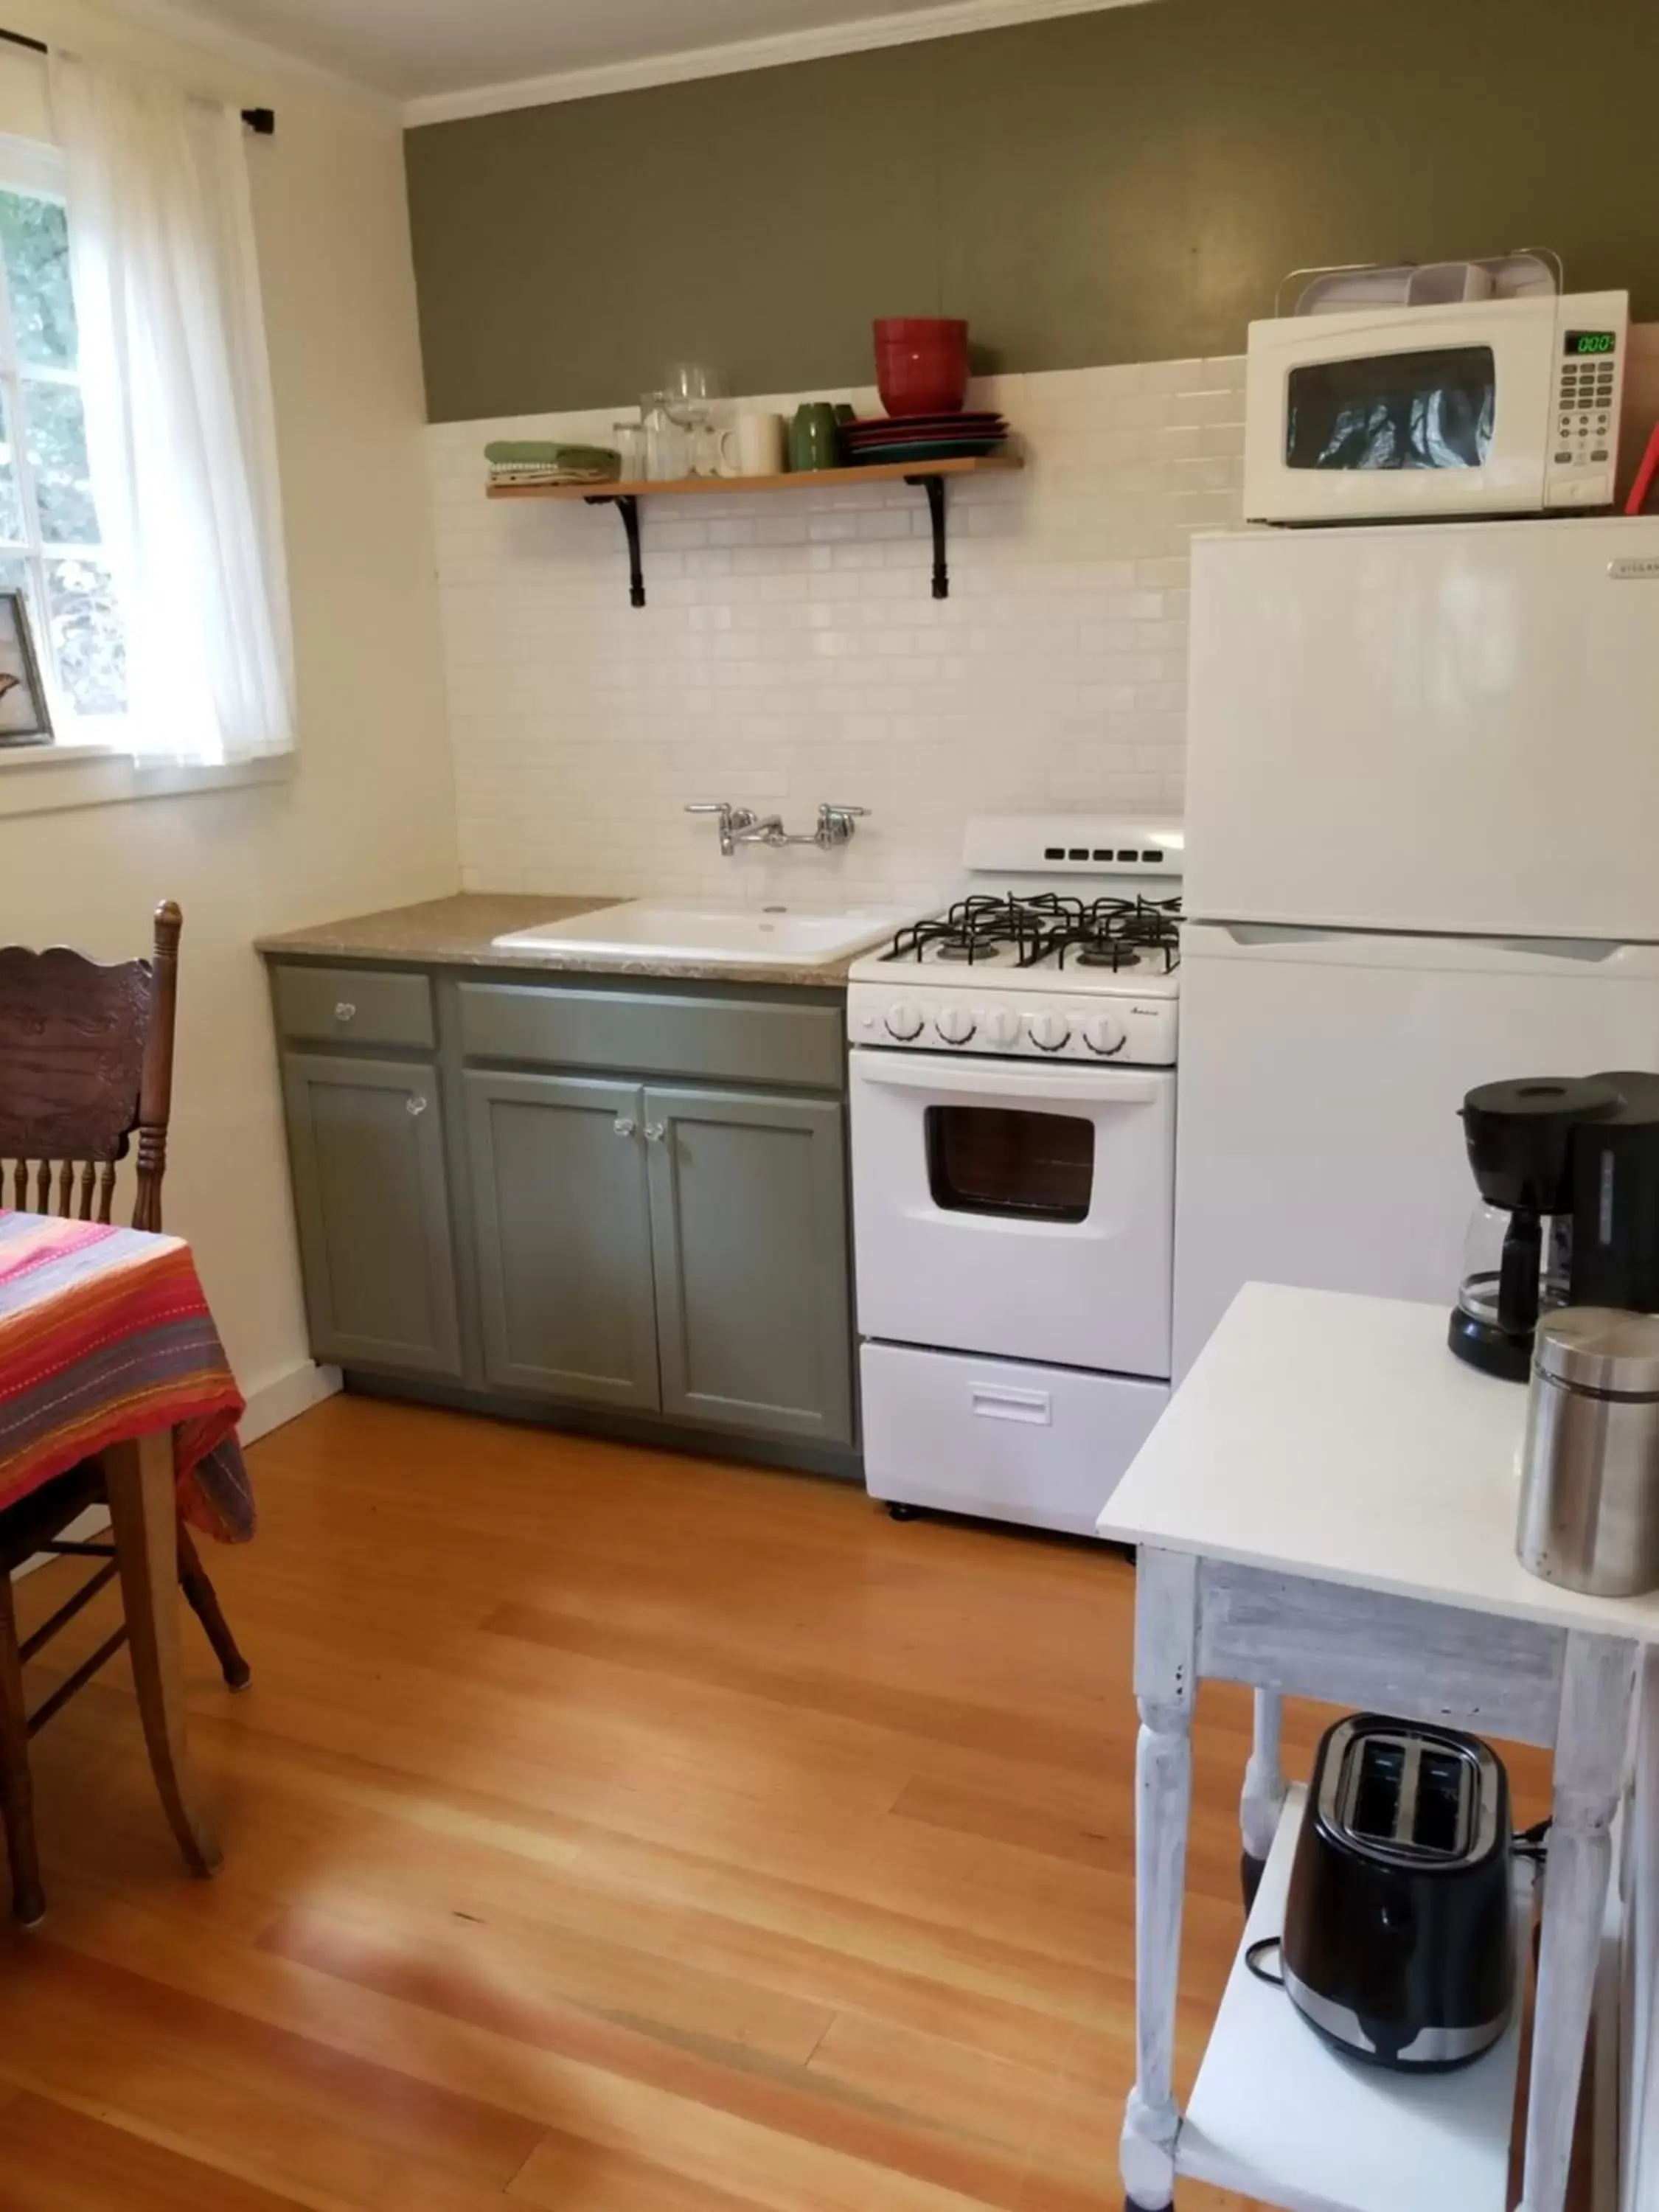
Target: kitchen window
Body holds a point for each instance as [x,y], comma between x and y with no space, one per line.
[50,541]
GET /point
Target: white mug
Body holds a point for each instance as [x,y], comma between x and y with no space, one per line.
[714,451]
[760,444]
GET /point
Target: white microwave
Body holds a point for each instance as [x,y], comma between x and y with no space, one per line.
[1495,407]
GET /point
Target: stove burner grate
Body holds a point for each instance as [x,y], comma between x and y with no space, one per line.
[1106,933]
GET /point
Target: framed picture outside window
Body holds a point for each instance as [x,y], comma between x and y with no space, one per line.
[25,718]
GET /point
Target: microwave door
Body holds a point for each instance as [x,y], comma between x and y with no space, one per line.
[1358,423]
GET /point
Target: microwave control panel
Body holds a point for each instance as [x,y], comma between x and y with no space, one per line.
[1584,454]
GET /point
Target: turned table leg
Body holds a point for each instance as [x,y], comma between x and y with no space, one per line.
[1263,1801]
[1592,1740]
[1166,1643]
[143,1515]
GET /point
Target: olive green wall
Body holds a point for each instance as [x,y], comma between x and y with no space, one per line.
[1128,186]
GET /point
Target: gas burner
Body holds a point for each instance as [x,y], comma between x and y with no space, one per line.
[975,928]
[1120,933]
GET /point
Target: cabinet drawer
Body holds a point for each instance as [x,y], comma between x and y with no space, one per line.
[641,1033]
[355,1005]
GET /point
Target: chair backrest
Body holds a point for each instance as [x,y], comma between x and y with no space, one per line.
[86,1061]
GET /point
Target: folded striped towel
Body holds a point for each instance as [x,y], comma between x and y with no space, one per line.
[552,454]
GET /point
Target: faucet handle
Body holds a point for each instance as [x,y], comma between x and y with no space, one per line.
[731,819]
[837,823]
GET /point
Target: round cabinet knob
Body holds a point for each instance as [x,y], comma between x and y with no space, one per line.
[414,1105]
[955,1025]
[1000,1026]
[1104,1033]
[1049,1032]
[903,1020]
[345,1011]
[623,1126]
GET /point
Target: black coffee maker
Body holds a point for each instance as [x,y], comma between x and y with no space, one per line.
[1568,1172]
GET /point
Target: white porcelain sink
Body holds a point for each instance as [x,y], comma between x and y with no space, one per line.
[714,932]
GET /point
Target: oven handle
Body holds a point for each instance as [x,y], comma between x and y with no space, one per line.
[1057,1086]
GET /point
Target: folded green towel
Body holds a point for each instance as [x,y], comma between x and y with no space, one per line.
[551,453]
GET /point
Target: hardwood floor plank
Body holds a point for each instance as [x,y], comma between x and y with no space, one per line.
[785,2100]
[54,2160]
[567,2170]
[46,1988]
[802,1689]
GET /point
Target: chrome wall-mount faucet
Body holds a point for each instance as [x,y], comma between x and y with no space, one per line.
[740,825]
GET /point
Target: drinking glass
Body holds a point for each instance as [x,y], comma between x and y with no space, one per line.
[689,384]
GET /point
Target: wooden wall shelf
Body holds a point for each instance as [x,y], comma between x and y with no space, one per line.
[625,494]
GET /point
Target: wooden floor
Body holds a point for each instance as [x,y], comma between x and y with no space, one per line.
[608,1831]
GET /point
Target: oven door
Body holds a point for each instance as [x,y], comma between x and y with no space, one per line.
[1402,411]
[1020,1211]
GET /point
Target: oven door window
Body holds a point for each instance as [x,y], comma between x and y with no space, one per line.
[1393,411]
[1004,1161]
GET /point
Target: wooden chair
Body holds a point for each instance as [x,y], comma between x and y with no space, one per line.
[86,1063]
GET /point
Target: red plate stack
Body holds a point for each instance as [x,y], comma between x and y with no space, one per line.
[924,437]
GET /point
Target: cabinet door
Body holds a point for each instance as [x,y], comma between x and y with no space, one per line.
[749,1233]
[563,1237]
[366,1138]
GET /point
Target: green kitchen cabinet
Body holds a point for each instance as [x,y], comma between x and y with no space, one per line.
[610,1203]
[748,1233]
[563,1234]
[749,1242]
[372,1199]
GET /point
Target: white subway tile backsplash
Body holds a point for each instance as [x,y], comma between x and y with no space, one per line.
[791,651]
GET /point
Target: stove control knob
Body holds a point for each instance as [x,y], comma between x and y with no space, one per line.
[1104,1033]
[955,1025]
[903,1020]
[1000,1027]
[1049,1032]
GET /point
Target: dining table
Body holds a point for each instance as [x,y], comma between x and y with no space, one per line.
[108,1351]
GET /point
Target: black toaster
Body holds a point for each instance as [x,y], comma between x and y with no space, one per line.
[1399,1942]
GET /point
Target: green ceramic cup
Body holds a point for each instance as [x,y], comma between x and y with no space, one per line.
[814,437]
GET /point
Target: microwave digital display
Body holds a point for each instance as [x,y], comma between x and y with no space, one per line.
[1582,342]
[1433,410]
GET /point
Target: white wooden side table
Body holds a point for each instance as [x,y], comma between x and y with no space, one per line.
[1328,1510]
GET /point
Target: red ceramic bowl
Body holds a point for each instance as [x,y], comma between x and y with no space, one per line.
[921,364]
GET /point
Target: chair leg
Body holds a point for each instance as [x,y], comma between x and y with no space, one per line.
[205,1604]
[29,1904]
[139,1484]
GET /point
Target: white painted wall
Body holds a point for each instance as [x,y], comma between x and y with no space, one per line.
[367,818]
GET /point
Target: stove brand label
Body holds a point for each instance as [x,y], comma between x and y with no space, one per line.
[1635,569]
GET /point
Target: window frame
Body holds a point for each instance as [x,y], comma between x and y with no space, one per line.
[35,168]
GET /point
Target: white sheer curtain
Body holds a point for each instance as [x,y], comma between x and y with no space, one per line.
[179,428]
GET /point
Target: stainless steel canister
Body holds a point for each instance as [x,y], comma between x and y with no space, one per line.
[1589,1466]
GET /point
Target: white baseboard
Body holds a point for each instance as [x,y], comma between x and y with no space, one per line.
[272,1408]
[277,1403]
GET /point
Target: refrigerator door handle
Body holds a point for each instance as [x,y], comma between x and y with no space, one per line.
[1429,951]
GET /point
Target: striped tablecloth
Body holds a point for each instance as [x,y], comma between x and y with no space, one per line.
[104,1335]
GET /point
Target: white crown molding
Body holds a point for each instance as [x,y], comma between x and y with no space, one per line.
[944,21]
[170,19]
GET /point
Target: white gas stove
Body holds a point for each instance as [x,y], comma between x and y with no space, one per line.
[1013,1173]
[1034,965]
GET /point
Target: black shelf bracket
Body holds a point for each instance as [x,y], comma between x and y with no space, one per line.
[934,487]
[627,505]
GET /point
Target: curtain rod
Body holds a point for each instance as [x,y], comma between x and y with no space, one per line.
[262,121]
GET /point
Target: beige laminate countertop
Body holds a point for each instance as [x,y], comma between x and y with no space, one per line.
[459,933]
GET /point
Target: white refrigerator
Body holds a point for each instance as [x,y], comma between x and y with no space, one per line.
[1422,853]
